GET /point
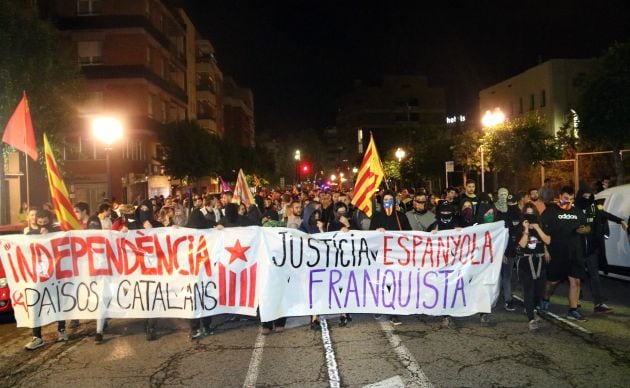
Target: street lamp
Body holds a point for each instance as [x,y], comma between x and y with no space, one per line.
[355,170]
[297,158]
[489,120]
[107,130]
[400,154]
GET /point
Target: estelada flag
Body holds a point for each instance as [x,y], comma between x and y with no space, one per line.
[368,179]
[60,198]
[19,130]
[224,185]
[242,194]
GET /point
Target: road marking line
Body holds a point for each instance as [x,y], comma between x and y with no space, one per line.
[254,363]
[558,318]
[331,361]
[417,377]
[392,382]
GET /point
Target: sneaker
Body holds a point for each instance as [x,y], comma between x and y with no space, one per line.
[35,343]
[602,308]
[484,319]
[279,329]
[197,333]
[343,321]
[448,323]
[533,325]
[62,336]
[377,316]
[509,306]
[574,315]
[315,325]
[544,306]
[395,321]
[98,338]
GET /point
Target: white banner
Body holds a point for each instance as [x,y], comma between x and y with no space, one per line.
[164,272]
[448,273]
[189,273]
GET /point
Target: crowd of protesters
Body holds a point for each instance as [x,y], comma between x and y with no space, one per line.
[553,236]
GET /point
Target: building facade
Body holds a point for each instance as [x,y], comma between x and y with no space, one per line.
[238,113]
[393,111]
[549,89]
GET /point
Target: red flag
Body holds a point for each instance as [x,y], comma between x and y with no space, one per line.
[19,130]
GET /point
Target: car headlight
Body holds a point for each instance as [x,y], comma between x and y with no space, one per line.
[3,282]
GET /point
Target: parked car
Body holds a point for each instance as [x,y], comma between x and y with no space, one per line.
[5,293]
[617,202]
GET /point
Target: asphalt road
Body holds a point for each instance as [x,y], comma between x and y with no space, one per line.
[367,352]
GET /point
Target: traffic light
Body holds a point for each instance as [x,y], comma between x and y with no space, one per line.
[306,168]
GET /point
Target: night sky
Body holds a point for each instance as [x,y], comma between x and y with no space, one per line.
[299,56]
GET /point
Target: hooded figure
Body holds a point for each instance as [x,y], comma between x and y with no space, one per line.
[310,220]
[486,211]
[445,215]
[232,218]
[501,203]
[144,214]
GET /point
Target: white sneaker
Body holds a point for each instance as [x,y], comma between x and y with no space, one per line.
[533,325]
[35,343]
[62,336]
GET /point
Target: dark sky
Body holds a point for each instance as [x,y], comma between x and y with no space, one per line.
[299,56]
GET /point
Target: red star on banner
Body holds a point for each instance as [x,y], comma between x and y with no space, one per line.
[237,252]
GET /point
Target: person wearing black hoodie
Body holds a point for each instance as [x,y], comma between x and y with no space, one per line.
[312,223]
[145,220]
[389,219]
[590,246]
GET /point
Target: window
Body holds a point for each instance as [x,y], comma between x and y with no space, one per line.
[520,105]
[90,53]
[543,98]
[150,105]
[360,140]
[89,7]
[532,102]
[71,148]
[163,111]
[133,150]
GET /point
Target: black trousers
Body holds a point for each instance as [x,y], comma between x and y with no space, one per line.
[280,322]
[532,288]
[37,331]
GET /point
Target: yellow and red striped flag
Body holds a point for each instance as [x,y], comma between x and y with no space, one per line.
[60,198]
[368,179]
[242,194]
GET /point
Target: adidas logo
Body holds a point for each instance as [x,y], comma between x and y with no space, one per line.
[567,217]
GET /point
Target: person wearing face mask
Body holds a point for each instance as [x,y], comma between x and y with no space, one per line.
[486,211]
[389,219]
[590,245]
[144,220]
[512,218]
[466,214]
[566,224]
[531,252]
[419,217]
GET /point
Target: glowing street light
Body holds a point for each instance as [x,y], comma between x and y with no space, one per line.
[489,120]
[297,158]
[107,130]
[400,154]
[333,177]
[355,170]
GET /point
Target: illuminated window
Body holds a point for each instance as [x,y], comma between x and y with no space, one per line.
[89,7]
[90,53]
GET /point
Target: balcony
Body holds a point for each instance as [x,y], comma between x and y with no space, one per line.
[134,71]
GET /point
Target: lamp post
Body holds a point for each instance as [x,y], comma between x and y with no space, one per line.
[400,154]
[107,130]
[297,158]
[489,120]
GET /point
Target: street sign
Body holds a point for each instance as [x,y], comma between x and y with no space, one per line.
[450,166]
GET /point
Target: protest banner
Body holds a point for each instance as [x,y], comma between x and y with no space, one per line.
[190,273]
[452,272]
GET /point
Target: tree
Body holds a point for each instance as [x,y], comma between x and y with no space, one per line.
[190,152]
[604,104]
[33,59]
[519,144]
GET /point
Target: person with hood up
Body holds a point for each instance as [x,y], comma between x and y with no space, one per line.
[144,220]
[389,219]
[312,223]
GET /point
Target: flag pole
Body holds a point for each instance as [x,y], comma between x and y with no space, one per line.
[28,191]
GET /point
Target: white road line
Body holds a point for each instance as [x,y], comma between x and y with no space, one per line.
[254,363]
[417,378]
[331,361]
[558,318]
